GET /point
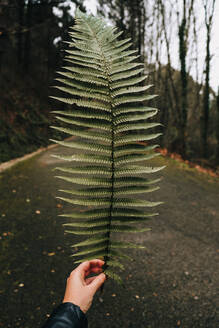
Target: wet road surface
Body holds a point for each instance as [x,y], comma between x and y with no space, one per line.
[174,283]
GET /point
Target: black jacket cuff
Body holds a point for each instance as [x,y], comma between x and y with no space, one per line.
[67,315]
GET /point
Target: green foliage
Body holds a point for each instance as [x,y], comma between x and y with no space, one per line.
[108,118]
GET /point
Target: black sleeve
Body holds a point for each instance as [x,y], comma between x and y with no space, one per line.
[67,315]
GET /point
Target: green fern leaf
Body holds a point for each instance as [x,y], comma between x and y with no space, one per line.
[108,118]
[129,170]
[135,137]
[85,134]
[91,241]
[135,126]
[94,192]
[115,264]
[84,145]
[131,109]
[84,78]
[122,91]
[129,82]
[114,276]
[87,114]
[96,159]
[90,170]
[125,75]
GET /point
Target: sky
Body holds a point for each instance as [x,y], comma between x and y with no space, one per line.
[214,74]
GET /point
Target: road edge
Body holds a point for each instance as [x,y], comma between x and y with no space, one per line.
[7,165]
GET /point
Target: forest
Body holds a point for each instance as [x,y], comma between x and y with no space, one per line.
[166,35]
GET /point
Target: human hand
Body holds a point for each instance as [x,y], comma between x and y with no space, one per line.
[79,289]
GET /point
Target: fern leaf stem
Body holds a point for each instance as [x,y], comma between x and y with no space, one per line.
[106,259]
[105,66]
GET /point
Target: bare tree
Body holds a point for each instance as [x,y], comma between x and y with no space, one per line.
[183,34]
[217,127]
[209,6]
[27,42]
[20,50]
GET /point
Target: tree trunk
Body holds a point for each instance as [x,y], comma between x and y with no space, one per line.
[183,74]
[209,12]
[217,129]
[27,44]
[20,32]
[205,109]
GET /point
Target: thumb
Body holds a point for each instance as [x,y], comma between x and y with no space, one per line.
[97,282]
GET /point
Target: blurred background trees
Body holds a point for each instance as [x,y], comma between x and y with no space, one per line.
[168,36]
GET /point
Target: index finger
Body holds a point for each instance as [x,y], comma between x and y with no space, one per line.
[87,267]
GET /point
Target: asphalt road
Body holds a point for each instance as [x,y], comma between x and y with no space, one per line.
[174,283]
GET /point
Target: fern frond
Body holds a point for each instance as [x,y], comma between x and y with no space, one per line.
[85,54]
[91,241]
[82,63]
[119,69]
[129,82]
[76,92]
[84,146]
[116,264]
[84,78]
[129,170]
[108,118]
[86,114]
[87,224]
[90,170]
[131,109]
[94,192]
[90,214]
[135,126]
[114,276]
[87,181]
[134,190]
[129,90]
[95,159]
[135,137]
[125,75]
[82,86]
[132,158]
[90,250]
[134,117]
